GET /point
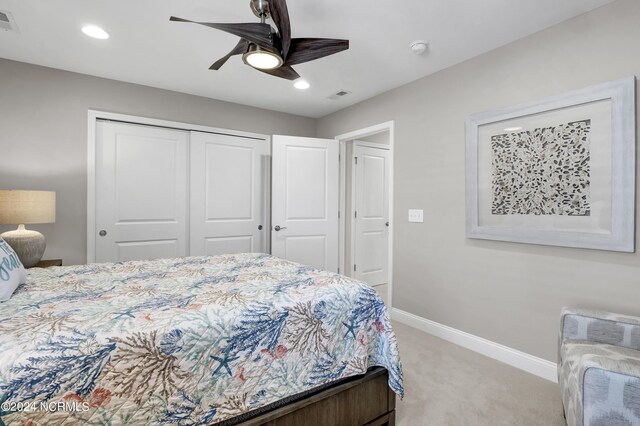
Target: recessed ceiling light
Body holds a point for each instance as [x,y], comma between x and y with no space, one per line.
[301,84]
[95,32]
[512,129]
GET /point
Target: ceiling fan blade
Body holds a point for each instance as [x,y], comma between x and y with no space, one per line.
[254,32]
[240,48]
[308,49]
[284,71]
[280,15]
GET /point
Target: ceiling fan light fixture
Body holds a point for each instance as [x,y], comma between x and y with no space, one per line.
[264,49]
[261,58]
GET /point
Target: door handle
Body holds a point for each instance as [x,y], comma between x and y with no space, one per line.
[386,224]
[278,227]
[102,233]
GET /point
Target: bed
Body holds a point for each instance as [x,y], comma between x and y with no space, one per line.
[231,339]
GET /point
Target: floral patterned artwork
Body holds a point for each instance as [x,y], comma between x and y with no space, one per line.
[545,171]
[189,341]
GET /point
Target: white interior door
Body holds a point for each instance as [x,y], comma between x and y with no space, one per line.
[371,216]
[228,194]
[141,192]
[304,196]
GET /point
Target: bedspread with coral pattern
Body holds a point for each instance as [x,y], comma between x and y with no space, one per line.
[188,341]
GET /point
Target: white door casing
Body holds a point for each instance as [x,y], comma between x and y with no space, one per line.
[228,202]
[305,174]
[370,243]
[141,192]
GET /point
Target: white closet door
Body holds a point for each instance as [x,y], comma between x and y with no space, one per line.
[228,194]
[305,200]
[141,192]
[371,187]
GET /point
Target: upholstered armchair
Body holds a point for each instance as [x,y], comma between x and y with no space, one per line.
[599,368]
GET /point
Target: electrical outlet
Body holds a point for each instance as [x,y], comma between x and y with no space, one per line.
[416,215]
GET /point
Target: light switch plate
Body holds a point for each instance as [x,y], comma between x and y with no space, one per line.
[416,215]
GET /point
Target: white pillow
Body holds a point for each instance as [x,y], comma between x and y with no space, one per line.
[12,273]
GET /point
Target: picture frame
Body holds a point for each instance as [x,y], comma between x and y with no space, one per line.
[558,171]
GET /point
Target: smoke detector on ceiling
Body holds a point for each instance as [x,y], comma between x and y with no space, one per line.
[339,94]
[419,46]
[6,21]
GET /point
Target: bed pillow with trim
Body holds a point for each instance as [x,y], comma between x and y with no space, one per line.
[12,273]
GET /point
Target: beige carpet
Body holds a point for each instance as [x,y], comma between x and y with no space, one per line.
[446,384]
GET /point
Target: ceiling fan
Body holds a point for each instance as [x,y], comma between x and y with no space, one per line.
[268,51]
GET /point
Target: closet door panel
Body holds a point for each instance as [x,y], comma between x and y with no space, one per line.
[141,192]
[228,194]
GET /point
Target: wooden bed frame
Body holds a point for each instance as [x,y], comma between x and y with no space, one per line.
[363,401]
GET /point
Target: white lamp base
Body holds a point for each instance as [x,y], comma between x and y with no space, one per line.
[28,245]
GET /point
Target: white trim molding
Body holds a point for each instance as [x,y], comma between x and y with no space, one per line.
[387,126]
[515,358]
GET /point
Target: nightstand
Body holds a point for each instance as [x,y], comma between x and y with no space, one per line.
[48,263]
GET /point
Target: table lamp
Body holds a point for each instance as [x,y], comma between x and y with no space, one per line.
[23,208]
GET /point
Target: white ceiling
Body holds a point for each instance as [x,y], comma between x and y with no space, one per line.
[145,48]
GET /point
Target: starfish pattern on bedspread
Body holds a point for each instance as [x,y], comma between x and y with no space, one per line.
[224,361]
[188,341]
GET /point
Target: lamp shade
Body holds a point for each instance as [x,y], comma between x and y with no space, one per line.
[27,207]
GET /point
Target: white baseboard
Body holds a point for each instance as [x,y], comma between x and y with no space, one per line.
[529,363]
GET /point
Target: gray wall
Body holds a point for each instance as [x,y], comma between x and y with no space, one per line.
[382,137]
[43,135]
[505,292]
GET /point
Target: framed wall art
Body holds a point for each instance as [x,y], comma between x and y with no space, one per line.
[559,171]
